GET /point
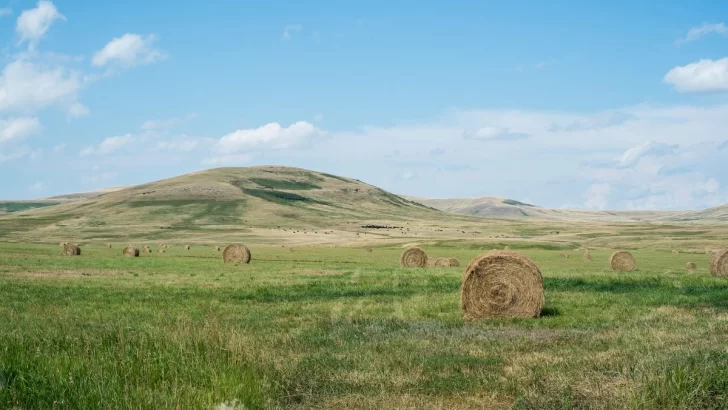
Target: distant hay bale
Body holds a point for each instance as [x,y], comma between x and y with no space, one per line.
[290,249]
[587,257]
[565,255]
[622,261]
[442,262]
[431,262]
[368,250]
[501,284]
[507,248]
[719,264]
[162,251]
[69,249]
[187,247]
[454,263]
[108,245]
[217,249]
[413,258]
[690,266]
[62,244]
[236,253]
[675,252]
[130,252]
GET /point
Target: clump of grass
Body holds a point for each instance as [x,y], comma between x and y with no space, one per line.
[698,381]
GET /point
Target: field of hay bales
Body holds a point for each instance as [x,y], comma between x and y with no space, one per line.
[326,327]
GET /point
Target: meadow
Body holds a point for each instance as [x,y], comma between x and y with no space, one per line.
[337,327]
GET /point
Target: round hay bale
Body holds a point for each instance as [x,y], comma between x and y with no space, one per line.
[108,245]
[413,258]
[690,266]
[565,255]
[622,261]
[236,253]
[454,263]
[162,251]
[369,250]
[507,248]
[130,252]
[719,264]
[70,249]
[675,252]
[442,262]
[587,257]
[62,244]
[187,247]
[217,249]
[501,285]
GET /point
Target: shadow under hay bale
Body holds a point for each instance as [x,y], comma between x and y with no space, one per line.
[130,252]
[442,262]
[187,247]
[501,284]
[622,261]
[69,249]
[413,258]
[236,253]
[719,264]
[454,263]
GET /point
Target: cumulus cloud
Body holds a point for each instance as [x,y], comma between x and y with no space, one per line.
[78,110]
[108,146]
[33,24]
[649,148]
[29,86]
[18,129]
[128,50]
[269,136]
[493,134]
[289,30]
[703,76]
[696,33]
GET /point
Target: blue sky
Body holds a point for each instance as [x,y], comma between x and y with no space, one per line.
[605,105]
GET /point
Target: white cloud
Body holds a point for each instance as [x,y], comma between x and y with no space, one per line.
[33,24]
[634,154]
[18,129]
[597,196]
[78,110]
[269,136]
[27,86]
[234,159]
[289,30]
[128,50]
[493,134]
[702,31]
[702,76]
[108,146]
[5,11]
[37,187]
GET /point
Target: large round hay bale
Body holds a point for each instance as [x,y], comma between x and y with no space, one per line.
[454,263]
[236,253]
[70,249]
[413,258]
[622,261]
[501,284]
[131,252]
[690,266]
[442,262]
[719,264]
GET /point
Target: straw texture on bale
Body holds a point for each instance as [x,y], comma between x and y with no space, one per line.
[719,264]
[236,253]
[431,262]
[454,263]
[131,252]
[622,261]
[413,258]
[442,262]
[501,284]
[690,266]
[70,249]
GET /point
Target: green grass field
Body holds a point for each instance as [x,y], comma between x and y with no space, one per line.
[342,328]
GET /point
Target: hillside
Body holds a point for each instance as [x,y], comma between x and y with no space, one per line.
[225,202]
[503,208]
